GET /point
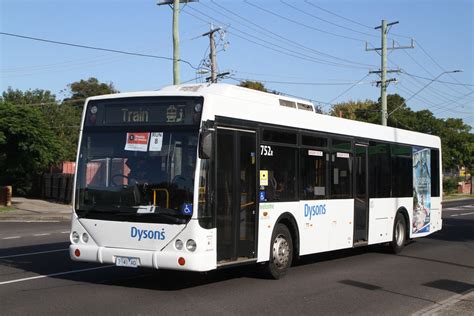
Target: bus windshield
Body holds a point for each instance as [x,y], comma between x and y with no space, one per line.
[137,159]
[145,176]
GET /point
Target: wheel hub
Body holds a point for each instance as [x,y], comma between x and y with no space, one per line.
[281,251]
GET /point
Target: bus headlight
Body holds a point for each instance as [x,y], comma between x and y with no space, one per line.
[191,245]
[75,237]
[178,244]
[85,238]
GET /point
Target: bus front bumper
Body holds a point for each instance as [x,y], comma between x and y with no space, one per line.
[174,260]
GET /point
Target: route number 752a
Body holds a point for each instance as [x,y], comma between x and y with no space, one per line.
[266,150]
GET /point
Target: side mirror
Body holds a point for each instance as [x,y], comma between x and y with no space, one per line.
[205,144]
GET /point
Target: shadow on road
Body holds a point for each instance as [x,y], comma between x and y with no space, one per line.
[455,229]
[54,261]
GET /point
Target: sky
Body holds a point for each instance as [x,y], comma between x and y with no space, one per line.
[312,49]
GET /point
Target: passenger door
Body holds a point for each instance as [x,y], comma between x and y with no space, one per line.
[236,193]
[361,201]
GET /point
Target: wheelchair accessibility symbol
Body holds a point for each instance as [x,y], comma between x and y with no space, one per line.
[187,209]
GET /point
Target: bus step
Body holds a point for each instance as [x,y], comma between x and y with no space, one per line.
[360,243]
[239,260]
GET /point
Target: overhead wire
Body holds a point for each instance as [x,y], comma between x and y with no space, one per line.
[348,89]
[302,24]
[326,21]
[281,49]
[258,28]
[339,16]
[95,48]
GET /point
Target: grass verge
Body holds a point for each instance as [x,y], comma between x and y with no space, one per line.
[6,208]
[457,196]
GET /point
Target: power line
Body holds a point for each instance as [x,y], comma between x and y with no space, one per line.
[95,48]
[339,16]
[302,24]
[436,63]
[326,21]
[282,49]
[258,29]
[347,90]
[436,80]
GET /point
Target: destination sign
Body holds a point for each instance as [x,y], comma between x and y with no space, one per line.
[144,111]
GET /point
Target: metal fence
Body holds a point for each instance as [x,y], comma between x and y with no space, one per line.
[57,186]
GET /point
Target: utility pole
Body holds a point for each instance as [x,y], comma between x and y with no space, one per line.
[176,79]
[385,27]
[175,4]
[212,54]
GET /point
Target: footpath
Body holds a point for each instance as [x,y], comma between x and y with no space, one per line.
[26,210]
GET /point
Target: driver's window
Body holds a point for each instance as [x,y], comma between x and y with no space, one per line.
[119,167]
[96,173]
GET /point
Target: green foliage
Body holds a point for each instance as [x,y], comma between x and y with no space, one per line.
[355,110]
[29,145]
[37,131]
[450,185]
[253,85]
[32,97]
[80,90]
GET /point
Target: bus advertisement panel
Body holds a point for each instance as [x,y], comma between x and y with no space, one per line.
[421,190]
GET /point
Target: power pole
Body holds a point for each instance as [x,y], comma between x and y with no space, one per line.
[212,54]
[385,27]
[175,4]
[176,79]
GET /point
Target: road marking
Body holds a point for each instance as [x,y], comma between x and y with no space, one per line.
[12,237]
[28,221]
[44,234]
[462,214]
[54,274]
[66,232]
[32,253]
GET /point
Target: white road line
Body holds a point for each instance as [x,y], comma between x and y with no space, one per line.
[12,237]
[27,221]
[452,209]
[44,234]
[32,253]
[54,274]
[462,214]
[66,232]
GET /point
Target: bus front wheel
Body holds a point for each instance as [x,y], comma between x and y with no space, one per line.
[399,234]
[281,252]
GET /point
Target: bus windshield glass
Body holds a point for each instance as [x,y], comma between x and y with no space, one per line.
[140,172]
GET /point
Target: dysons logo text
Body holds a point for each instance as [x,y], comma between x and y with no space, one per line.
[147,234]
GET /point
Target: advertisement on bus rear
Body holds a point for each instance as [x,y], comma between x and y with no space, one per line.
[421,190]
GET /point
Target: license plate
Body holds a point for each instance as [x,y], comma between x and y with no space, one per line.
[130,262]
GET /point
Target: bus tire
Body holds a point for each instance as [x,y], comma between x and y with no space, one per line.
[281,253]
[399,234]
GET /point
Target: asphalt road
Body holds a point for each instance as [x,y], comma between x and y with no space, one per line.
[37,277]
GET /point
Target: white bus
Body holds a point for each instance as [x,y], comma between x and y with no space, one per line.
[199,177]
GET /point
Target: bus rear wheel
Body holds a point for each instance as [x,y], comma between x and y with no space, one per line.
[281,253]
[399,234]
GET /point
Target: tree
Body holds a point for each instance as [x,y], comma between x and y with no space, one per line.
[28,145]
[253,85]
[354,110]
[80,90]
[35,97]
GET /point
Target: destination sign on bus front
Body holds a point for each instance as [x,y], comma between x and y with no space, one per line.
[149,111]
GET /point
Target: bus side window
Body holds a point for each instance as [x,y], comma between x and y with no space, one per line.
[282,175]
[341,175]
[312,174]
